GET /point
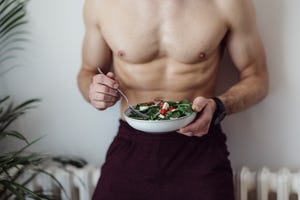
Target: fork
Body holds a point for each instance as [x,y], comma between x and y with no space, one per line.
[127,101]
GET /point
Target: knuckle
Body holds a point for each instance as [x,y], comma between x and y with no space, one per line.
[200,134]
[100,105]
[99,78]
[95,104]
[92,87]
[105,89]
[114,92]
[199,99]
[100,96]
[95,78]
[113,99]
[91,94]
[205,129]
[199,103]
[206,121]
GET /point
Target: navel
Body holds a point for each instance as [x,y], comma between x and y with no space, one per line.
[202,55]
[121,53]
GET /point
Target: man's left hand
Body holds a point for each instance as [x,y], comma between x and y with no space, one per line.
[205,108]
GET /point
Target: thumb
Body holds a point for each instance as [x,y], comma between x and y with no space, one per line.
[199,103]
[111,75]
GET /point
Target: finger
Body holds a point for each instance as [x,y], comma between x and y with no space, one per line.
[97,96]
[196,126]
[200,126]
[200,134]
[100,105]
[104,89]
[189,134]
[199,104]
[105,80]
[111,75]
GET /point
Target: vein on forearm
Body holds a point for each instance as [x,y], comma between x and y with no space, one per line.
[249,91]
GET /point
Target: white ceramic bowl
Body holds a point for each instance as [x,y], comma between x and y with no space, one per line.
[156,126]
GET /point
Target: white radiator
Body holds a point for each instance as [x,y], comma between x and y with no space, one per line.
[263,184]
[266,185]
[78,183]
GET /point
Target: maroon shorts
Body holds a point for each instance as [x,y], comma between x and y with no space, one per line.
[166,166]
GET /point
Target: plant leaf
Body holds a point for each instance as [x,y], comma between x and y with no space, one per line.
[10,51]
[13,35]
[4,99]
[11,113]
[19,8]
[26,103]
[9,69]
[12,27]
[6,112]
[26,191]
[11,42]
[55,179]
[13,134]
[12,19]
[1,2]
[11,187]
[18,152]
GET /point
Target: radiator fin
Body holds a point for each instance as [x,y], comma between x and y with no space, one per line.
[267,185]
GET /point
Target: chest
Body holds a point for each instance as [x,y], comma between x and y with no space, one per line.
[140,31]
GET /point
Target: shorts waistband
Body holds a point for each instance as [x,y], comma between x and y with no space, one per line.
[126,131]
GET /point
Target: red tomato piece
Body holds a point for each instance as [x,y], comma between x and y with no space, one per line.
[163,111]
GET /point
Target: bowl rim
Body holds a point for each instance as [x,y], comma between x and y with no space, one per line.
[157,121]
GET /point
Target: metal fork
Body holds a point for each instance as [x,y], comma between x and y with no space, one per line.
[127,101]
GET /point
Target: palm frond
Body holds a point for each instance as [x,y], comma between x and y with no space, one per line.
[26,105]
[10,27]
[13,13]
[19,190]
[1,2]
[14,134]
[16,10]
[7,184]
[15,42]
[14,164]
[11,37]
[11,67]
[54,179]
[11,160]
[11,113]
[4,99]
[12,20]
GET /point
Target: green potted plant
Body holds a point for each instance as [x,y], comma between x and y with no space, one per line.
[15,163]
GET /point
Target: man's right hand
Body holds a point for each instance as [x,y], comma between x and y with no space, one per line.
[102,91]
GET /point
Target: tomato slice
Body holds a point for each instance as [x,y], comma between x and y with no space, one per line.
[163,111]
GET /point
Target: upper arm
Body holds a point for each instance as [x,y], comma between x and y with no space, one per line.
[243,42]
[95,51]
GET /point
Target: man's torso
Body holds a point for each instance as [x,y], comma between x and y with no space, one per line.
[164,49]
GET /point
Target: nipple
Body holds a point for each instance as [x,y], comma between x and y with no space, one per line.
[202,55]
[121,53]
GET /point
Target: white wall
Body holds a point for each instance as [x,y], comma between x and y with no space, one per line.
[267,134]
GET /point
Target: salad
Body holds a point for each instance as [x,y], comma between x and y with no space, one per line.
[163,110]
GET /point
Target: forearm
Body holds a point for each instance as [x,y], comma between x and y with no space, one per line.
[84,80]
[245,93]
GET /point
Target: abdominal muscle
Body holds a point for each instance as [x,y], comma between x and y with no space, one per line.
[165,79]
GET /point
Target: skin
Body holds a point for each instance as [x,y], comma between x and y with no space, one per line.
[171,50]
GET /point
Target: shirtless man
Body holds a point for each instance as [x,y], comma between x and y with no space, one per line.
[170,50]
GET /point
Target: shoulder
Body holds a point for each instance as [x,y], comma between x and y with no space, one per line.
[93,3]
[237,13]
[91,11]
